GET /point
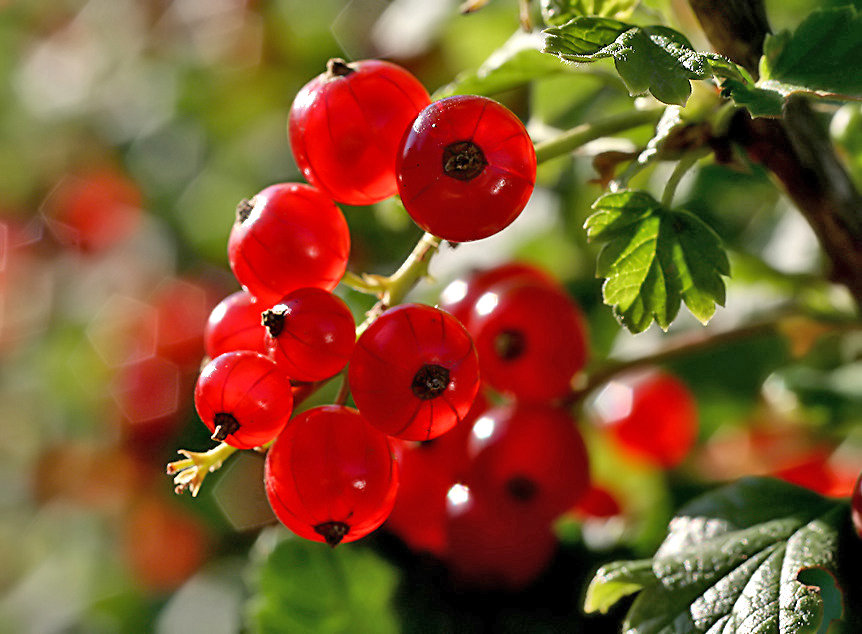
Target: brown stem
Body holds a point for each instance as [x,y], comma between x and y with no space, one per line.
[795,149]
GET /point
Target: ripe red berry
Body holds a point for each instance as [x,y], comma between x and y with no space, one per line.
[466,168]
[235,324]
[461,294]
[530,458]
[530,337]
[330,476]
[652,417]
[491,547]
[310,333]
[287,237]
[345,126]
[856,506]
[244,398]
[414,372]
[428,470]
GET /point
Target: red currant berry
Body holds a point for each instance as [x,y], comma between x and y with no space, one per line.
[529,457]
[414,372]
[345,126]
[310,333]
[856,506]
[531,339]
[466,168]
[287,237]
[428,470]
[652,417]
[461,294]
[235,324]
[244,398]
[490,547]
[330,476]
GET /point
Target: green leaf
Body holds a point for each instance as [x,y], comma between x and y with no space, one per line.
[817,59]
[615,581]
[652,59]
[655,258]
[732,562]
[822,55]
[518,62]
[557,12]
[308,587]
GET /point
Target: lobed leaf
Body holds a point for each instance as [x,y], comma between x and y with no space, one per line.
[816,59]
[738,559]
[654,259]
[653,59]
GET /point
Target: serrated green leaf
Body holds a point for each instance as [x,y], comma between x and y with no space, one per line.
[616,580]
[817,59]
[655,258]
[819,56]
[518,62]
[731,563]
[308,587]
[557,12]
[653,59]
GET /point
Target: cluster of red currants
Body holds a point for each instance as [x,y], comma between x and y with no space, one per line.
[464,168]
[484,496]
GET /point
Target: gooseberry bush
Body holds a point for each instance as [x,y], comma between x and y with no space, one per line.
[487,428]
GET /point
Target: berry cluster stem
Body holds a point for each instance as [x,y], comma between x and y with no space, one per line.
[395,287]
[189,473]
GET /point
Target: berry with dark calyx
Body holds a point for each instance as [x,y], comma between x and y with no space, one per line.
[310,333]
[492,547]
[531,339]
[652,417]
[466,168]
[287,237]
[346,124]
[244,398]
[330,476]
[459,296]
[530,458]
[234,324]
[414,372]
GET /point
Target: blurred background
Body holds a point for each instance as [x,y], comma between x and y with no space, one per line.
[129,130]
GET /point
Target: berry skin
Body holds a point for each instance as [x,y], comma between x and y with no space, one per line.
[310,333]
[529,458]
[345,126]
[234,324]
[287,237]
[330,476]
[244,398]
[428,469]
[466,168]
[856,506]
[461,294]
[414,372]
[651,417]
[491,547]
[531,339]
